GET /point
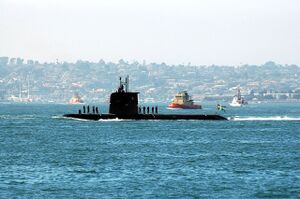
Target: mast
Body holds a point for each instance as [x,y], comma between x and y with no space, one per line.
[239,93]
[124,84]
[120,79]
[127,83]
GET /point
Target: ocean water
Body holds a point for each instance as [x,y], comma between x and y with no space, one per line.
[256,154]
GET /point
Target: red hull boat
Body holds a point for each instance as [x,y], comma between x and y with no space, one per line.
[194,106]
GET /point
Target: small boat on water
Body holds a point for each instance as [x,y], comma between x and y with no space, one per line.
[76,99]
[183,100]
[238,100]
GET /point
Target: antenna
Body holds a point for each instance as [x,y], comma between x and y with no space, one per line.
[124,84]
[127,83]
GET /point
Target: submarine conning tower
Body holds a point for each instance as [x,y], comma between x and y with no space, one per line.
[123,102]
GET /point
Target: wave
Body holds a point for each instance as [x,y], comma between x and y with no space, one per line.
[17,117]
[273,118]
[57,117]
[60,117]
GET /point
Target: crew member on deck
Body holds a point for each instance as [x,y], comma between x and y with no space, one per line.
[83,109]
[121,89]
[144,109]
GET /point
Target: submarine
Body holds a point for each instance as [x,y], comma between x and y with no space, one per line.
[124,105]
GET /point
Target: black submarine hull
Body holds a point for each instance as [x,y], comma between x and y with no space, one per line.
[144,117]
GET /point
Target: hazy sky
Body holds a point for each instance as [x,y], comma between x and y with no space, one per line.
[229,32]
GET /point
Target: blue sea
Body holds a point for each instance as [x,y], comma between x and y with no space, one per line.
[256,154]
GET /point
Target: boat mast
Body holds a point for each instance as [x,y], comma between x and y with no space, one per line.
[239,93]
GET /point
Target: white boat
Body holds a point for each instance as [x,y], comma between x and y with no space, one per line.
[238,100]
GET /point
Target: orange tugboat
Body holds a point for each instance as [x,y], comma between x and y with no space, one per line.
[183,100]
[76,99]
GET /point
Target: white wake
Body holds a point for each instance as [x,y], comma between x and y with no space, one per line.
[274,118]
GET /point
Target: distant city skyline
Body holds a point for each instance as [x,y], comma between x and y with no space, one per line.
[203,32]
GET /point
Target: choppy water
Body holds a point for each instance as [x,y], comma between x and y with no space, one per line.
[254,155]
